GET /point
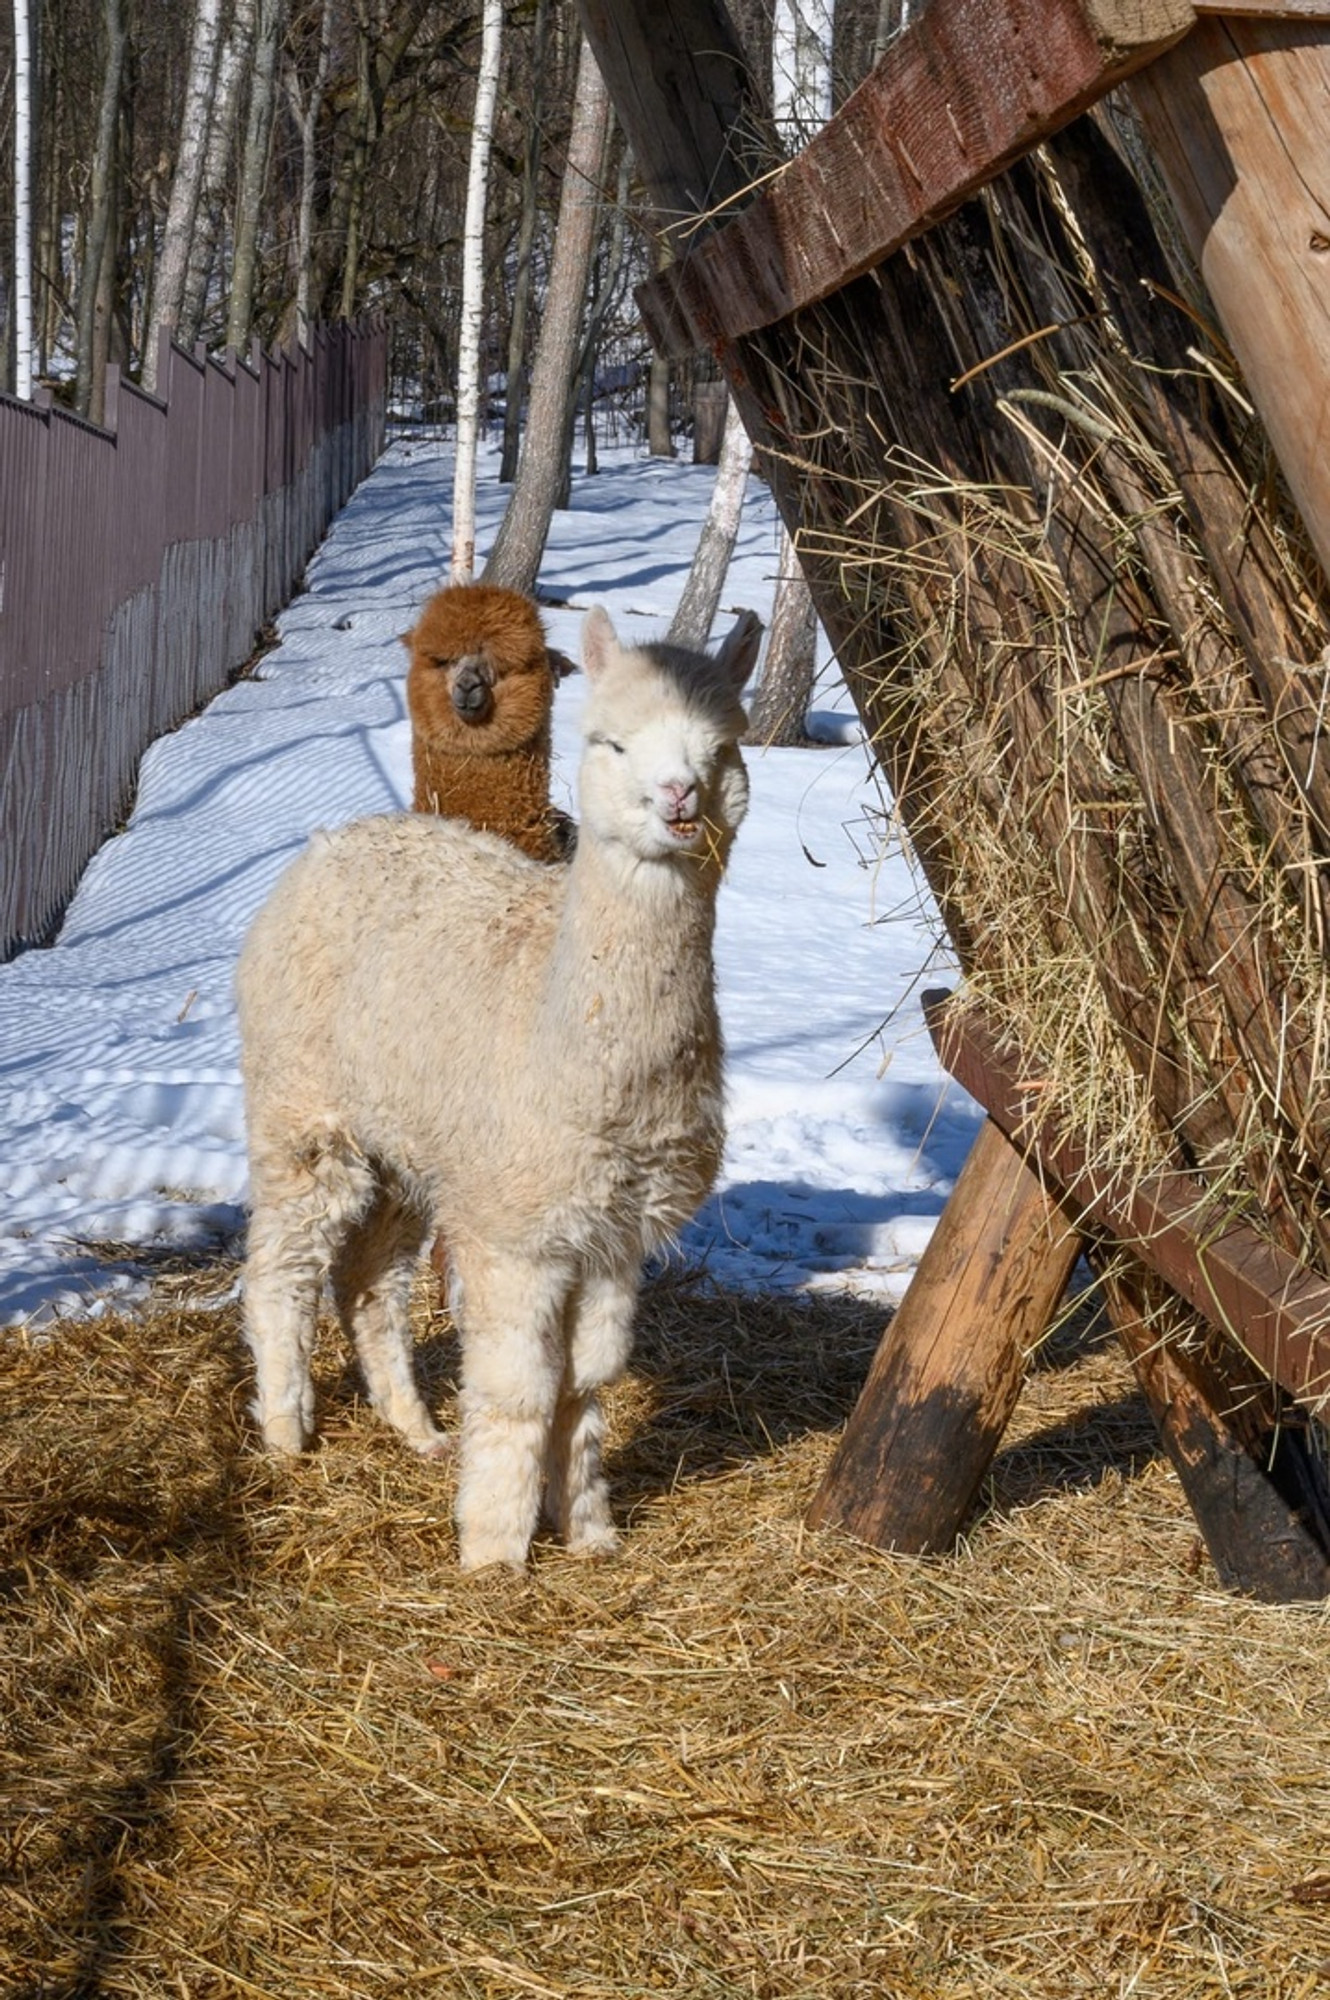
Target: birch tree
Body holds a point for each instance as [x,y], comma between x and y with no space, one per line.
[22,308]
[168,288]
[232,65]
[470,387]
[98,239]
[692,622]
[254,170]
[515,558]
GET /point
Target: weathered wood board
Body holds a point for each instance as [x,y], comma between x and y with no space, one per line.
[965,90]
[1238,115]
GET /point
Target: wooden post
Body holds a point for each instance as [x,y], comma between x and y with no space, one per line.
[947,1374]
[1261,1518]
[1237,115]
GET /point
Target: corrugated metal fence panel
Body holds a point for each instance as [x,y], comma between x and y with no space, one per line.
[23,472]
[137,567]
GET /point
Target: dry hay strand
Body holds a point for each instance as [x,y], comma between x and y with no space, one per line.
[261,1737]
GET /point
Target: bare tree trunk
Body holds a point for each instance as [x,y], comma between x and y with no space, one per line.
[22,203]
[660,438]
[520,542]
[801,101]
[526,239]
[469,369]
[305,111]
[361,148]
[237,51]
[692,622]
[780,706]
[584,393]
[254,171]
[169,279]
[90,380]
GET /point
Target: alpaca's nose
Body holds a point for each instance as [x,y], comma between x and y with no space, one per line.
[472,683]
[679,798]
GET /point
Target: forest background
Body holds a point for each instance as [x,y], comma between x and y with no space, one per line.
[317,153]
[234,171]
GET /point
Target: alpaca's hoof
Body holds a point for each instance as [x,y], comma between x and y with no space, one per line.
[489,1552]
[285,1434]
[438,1445]
[595,1542]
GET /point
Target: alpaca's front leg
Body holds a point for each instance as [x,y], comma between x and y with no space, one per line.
[598,1335]
[512,1315]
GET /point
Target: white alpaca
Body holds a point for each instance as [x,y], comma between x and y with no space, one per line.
[442,1035]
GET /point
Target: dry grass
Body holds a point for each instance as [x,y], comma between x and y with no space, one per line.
[261,1737]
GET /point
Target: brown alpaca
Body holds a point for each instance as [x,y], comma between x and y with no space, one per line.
[479,690]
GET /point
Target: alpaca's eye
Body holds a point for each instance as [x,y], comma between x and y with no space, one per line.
[608,743]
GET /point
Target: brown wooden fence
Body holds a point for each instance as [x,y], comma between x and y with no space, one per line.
[138,565]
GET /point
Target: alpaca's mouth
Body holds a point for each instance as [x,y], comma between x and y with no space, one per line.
[683,829]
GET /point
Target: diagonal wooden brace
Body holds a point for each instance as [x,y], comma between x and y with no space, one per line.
[949,1369]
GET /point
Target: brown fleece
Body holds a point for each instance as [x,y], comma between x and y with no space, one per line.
[479,691]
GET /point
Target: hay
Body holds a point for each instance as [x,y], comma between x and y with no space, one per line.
[1089,644]
[262,1738]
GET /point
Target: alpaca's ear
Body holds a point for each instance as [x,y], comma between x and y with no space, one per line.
[599,643]
[560,664]
[408,639]
[738,654]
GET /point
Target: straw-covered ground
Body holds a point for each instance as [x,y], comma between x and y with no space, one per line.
[262,1738]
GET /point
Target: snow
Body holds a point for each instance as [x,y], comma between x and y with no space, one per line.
[121,1115]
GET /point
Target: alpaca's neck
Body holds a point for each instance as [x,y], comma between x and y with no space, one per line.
[634,952]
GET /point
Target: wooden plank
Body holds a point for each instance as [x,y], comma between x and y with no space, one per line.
[949,1369]
[1237,117]
[1266,10]
[966,90]
[1246,1477]
[1259,1295]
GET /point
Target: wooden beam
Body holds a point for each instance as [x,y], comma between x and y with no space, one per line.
[677,77]
[1237,117]
[1277,1312]
[950,1365]
[966,90]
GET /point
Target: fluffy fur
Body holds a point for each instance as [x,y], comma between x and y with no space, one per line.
[479,691]
[440,1034]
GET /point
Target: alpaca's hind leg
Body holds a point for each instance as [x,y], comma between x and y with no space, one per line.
[300,1212]
[598,1334]
[511,1326]
[372,1281]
